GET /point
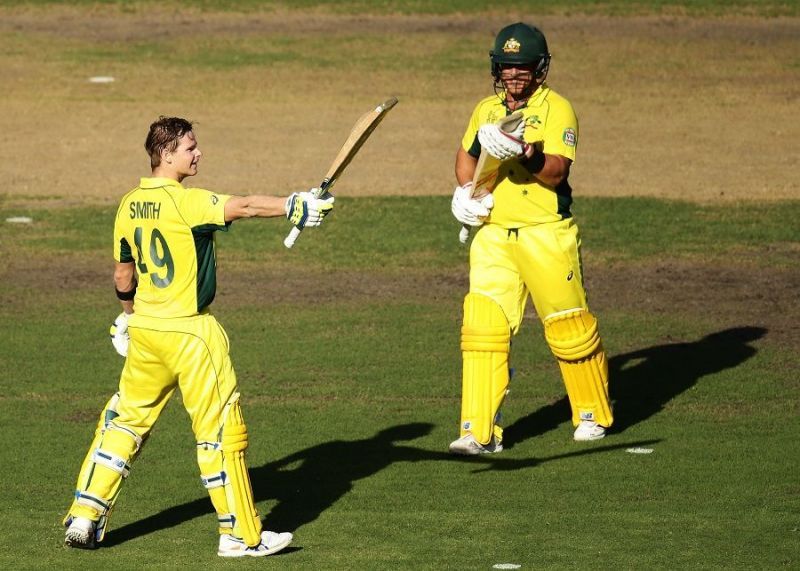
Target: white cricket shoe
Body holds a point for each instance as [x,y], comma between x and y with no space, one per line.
[271,542]
[80,534]
[468,446]
[589,430]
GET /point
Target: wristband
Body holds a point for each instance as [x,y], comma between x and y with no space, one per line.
[534,163]
[126,295]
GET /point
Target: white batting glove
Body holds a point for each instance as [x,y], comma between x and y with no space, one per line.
[502,145]
[470,211]
[305,209]
[119,334]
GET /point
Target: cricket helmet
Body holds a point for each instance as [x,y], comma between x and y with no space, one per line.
[521,44]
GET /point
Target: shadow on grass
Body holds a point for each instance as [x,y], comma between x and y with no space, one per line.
[310,481]
[644,381]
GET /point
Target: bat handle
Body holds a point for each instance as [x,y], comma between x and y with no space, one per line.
[463,236]
[291,237]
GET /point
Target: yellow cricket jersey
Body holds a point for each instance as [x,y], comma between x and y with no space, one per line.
[168,230]
[519,198]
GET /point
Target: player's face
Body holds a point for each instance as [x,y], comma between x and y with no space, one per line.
[517,80]
[186,156]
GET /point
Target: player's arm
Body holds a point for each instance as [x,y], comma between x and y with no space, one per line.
[255,205]
[465,166]
[301,208]
[551,170]
[125,284]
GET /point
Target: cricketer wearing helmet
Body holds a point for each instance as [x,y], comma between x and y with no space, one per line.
[527,243]
[165,277]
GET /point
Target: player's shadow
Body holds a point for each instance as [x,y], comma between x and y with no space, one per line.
[308,482]
[642,382]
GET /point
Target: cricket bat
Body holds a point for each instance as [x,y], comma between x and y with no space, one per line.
[487,168]
[360,132]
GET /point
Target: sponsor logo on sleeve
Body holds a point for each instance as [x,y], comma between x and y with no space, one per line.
[569,137]
[214,199]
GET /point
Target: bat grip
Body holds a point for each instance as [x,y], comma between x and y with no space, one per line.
[291,237]
[463,235]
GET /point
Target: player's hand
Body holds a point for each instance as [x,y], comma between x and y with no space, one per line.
[119,334]
[468,210]
[502,145]
[305,209]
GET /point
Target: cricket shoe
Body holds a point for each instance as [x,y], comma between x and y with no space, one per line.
[589,430]
[81,534]
[271,542]
[468,446]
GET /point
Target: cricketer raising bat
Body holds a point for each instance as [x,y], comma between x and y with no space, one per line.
[483,181]
[360,132]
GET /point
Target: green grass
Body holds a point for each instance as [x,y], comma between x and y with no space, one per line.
[615,7]
[368,233]
[351,401]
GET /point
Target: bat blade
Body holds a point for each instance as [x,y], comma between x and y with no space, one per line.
[488,167]
[359,134]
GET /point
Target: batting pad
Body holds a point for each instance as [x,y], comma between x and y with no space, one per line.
[485,345]
[224,473]
[574,339]
[105,467]
[89,506]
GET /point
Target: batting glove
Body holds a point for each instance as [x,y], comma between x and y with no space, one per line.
[119,334]
[502,145]
[305,209]
[468,210]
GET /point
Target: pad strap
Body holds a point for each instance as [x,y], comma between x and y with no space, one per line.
[112,461]
[211,481]
[206,445]
[97,504]
[226,521]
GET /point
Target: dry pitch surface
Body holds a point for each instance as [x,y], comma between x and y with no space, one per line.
[697,109]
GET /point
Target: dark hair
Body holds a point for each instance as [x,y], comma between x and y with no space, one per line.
[163,136]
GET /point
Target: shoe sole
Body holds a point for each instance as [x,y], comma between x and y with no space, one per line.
[249,553]
[588,438]
[474,452]
[79,542]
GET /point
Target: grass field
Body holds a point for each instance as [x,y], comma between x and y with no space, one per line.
[346,347]
[349,365]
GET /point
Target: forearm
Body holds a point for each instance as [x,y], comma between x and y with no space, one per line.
[551,170]
[255,205]
[465,166]
[125,284]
